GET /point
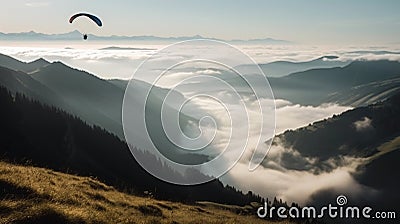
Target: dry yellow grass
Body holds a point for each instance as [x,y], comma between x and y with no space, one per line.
[37,195]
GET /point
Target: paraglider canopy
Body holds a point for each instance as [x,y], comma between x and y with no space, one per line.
[94,18]
[90,16]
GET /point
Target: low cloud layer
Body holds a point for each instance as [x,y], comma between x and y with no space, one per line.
[363,125]
[293,116]
[122,63]
[287,174]
[37,4]
[293,185]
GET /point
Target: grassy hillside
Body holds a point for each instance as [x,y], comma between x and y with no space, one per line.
[36,195]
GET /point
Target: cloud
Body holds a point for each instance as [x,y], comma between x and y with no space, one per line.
[209,72]
[297,185]
[122,63]
[293,185]
[292,116]
[286,173]
[363,124]
[300,53]
[37,4]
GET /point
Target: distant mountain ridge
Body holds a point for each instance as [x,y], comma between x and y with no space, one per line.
[76,35]
[283,68]
[114,48]
[330,85]
[324,80]
[27,67]
[357,72]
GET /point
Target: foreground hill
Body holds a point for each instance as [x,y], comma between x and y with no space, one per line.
[36,195]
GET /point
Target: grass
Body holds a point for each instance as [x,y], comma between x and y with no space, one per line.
[390,146]
[36,195]
[386,147]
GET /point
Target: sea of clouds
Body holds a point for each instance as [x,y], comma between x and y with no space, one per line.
[115,63]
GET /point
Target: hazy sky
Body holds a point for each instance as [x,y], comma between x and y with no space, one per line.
[303,21]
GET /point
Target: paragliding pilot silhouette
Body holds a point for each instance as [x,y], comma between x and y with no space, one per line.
[90,16]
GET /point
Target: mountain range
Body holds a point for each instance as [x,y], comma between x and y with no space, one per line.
[283,68]
[357,84]
[76,35]
[321,81]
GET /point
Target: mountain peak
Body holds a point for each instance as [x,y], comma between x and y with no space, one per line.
[75,32]
[30,34]
[269,40]
[41,61]
[56,65]
[198,36]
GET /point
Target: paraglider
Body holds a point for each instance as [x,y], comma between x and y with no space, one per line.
[94,18]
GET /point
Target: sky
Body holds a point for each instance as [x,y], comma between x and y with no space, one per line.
[301,21]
